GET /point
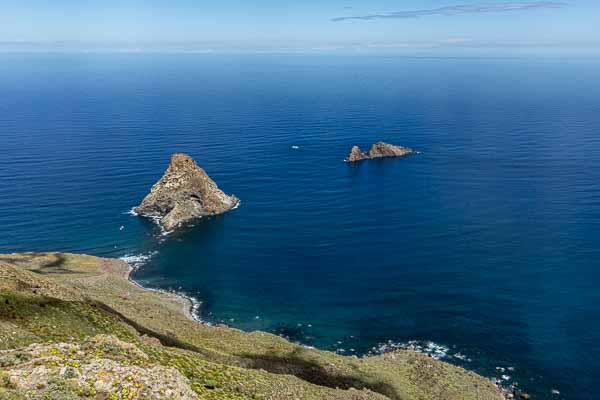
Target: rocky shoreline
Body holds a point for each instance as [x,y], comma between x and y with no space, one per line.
[190,307]
[67,300]
[510,391]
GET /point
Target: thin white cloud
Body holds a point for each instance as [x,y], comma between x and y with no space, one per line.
[458,9]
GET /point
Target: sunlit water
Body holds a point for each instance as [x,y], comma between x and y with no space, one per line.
[488,242]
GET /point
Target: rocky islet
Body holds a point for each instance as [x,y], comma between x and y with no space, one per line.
[185,192]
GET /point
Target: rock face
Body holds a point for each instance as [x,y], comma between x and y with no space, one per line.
[90,370]
[378,150]
[184,192]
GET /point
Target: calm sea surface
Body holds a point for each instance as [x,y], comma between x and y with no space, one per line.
[487,243]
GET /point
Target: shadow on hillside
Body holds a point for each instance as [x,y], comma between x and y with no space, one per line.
[43,263]
[291,364]
[294,364]
[21,258]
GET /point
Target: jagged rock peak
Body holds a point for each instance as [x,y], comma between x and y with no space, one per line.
[182,161]
[378,150]
[185,192]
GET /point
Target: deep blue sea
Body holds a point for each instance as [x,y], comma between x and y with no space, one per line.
[487,243]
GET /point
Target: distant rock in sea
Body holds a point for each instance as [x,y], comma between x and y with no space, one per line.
[378,150]
[185,192]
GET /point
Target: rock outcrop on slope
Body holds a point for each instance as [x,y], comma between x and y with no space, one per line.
[185,192]
[72,370]
[378,150]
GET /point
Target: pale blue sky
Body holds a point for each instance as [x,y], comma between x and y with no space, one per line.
[304,24]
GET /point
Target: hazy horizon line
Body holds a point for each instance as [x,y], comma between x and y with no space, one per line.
[446,43]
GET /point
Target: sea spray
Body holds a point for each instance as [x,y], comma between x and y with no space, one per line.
[139,260]
[429,348]
[501,379]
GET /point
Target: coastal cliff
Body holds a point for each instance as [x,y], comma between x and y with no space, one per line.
[378,150]
[74,327]
[185,192]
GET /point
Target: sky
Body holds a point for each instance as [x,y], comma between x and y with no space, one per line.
[307,24]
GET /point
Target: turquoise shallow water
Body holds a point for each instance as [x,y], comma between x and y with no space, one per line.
[486,243]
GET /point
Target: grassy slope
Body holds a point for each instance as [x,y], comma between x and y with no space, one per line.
[55,297]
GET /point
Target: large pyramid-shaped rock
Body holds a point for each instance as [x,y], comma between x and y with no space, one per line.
[185,192]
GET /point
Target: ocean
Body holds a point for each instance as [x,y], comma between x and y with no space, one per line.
[484,248]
